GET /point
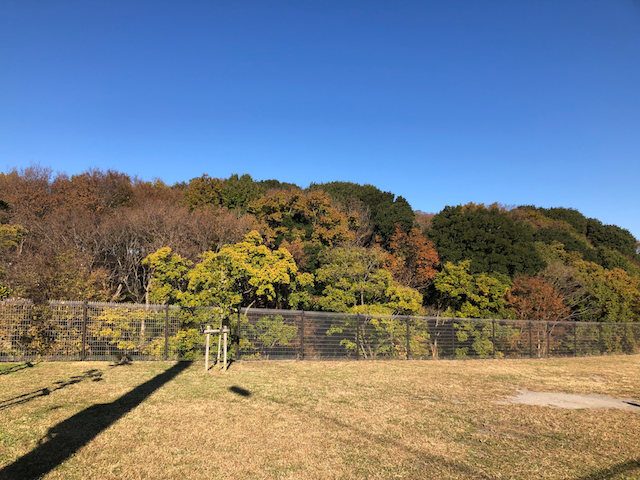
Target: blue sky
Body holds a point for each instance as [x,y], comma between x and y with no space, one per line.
[442,102]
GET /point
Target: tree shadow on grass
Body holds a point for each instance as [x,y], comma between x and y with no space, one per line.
[240,391]
[16,368]
[66,438]
[614,470]
[93,375]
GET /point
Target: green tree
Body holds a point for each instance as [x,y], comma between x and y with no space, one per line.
[237,191]
[570,215]
[467,295]
[486,236]
[612,237]
[245,274]
[571,241]
[241,275]
[353,280]
[482,295]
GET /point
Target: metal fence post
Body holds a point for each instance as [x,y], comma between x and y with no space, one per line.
[575,340]
[493,336]
[453,339]
[358,336]
[166,333]
[548,335]
[83,354]
[408,340]
[530,340]
[238,337]
[301,355]
[600,339]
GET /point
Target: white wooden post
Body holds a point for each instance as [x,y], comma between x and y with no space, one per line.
[219,341]
[206,352]
[224,331]
[225,348]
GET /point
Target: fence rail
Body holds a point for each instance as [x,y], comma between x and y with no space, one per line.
[113,331]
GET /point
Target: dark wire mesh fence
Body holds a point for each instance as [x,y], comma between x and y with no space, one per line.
[115,331]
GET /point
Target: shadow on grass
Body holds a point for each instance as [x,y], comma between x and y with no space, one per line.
[240,391]
[16,368]
[614,470]
[215,365]
[93,375]
[66,438]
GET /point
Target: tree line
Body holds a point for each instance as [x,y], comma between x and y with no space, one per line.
[343,247]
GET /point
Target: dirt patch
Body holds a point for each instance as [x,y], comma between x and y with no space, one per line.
[573,401]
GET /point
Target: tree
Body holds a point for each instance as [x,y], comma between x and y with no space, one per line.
[353,279]
[387,210]
[412,259]
[615,292]
[532,298]
[601,294]
[570,240]
[27,193]
[202,191]
[486,236]
[240,275]
[570,215]
[238,192]
[612,237]
[10,237]
[308,221]
[472,296]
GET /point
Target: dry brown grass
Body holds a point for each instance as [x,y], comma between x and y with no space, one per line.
[326,420]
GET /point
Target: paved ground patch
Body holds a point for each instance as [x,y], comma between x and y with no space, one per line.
[574,401]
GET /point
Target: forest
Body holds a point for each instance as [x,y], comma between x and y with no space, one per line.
[230,243]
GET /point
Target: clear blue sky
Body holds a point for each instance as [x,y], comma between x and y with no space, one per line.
[442,102]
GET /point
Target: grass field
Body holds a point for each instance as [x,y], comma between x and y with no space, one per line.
[317,420]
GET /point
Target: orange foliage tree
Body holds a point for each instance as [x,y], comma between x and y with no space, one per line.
[531,298]
[412,259]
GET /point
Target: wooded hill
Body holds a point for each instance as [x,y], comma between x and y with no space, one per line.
[340,246]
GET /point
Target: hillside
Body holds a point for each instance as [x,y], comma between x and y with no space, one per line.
[339,246]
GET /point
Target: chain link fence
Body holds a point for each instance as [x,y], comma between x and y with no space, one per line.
[115,331]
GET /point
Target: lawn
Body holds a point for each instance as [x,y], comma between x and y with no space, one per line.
[317,420]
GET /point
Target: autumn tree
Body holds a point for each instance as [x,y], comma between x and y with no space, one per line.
[386,209]
[423,220]
[27,192]
[202,191]
[10,238]
[532,298]
[306,222]
[412,259]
